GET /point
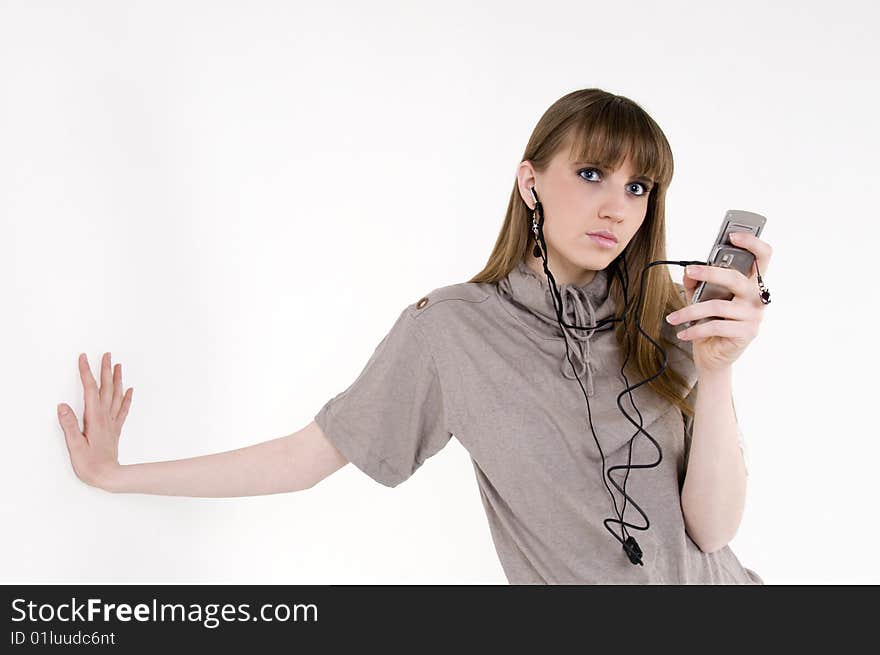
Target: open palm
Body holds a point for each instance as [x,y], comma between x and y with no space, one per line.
[94,451]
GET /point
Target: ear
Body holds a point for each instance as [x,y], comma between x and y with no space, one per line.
[525,180]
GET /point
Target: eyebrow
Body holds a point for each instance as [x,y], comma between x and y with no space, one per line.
[640,178]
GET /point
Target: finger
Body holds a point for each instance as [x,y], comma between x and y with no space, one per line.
[117,390]
[90,392]
[690,287]
[126,403]
[690,283]
[720,328]
[730,278]
[715,307]
[106,392]
[761,249]
[72,436]
[88,381]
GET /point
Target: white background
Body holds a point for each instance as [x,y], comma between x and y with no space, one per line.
[238,199]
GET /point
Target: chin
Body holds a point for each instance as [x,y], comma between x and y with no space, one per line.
[594,263]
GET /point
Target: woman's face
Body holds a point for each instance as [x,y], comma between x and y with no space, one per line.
[580,197]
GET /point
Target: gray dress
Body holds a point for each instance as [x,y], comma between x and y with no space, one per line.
[487,363]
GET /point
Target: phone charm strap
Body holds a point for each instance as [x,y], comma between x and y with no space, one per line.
[765,292]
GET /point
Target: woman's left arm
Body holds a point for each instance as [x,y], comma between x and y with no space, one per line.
[714,490]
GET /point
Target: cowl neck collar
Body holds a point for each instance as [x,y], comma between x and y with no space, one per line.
[530,295]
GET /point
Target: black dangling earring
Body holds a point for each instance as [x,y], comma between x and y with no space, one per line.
[537,251]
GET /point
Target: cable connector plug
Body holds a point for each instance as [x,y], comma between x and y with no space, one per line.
[632,550]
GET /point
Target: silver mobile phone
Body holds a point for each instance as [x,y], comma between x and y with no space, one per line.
[727,255]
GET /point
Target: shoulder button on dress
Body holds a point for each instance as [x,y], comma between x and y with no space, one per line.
[422,303]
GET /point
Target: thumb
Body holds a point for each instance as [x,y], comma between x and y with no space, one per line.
[690,285]
[68,423]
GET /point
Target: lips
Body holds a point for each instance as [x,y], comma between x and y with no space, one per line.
[605,234]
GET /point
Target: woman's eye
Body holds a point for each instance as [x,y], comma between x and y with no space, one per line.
[588,170]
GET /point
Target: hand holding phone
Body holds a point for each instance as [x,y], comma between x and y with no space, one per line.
[726,255]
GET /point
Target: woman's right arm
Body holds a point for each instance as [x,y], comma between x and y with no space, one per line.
[292,463]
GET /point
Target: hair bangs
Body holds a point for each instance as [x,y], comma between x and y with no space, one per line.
[607,132]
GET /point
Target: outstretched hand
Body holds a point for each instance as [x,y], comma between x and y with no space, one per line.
[94,452]
[717,344]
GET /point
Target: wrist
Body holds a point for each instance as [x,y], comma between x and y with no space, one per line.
[110,479]
[709,376]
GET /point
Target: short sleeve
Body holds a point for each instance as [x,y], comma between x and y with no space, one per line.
[392,417]
[691,399]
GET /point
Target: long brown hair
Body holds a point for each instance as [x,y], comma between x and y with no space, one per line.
[605,128]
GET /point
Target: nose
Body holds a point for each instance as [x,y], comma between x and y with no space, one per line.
[612,207]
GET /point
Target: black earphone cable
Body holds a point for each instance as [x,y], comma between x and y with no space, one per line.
[624,283]
[630,545]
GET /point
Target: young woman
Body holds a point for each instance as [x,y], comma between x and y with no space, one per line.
[535,405]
